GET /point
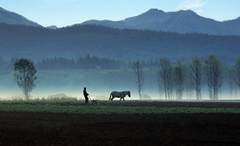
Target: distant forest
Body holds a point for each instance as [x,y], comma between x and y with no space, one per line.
[60,63]
[85,62]
[94,62]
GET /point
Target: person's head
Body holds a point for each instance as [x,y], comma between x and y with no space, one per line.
[85,88]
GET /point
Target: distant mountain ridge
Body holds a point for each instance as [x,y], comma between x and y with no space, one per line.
[180,22]
[8,17]
[72,42]
[20,37]
[184,21]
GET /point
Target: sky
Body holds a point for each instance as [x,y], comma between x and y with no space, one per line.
[68,12]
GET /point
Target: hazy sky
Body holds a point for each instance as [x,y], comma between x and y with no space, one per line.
[66,12]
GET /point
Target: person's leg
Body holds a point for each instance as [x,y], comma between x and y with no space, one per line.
[86,100]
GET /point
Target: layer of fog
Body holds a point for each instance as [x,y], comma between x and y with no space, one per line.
[99,83]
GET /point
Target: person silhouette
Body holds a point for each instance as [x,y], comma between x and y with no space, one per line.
[85,94]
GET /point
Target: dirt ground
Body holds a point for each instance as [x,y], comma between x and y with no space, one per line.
[119,129]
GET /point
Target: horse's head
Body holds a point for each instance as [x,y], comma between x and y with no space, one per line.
[128,93]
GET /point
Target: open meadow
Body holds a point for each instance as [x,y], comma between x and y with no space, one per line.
[74,106]
[43,122]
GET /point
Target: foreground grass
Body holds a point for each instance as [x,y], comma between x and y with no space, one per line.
[104,108]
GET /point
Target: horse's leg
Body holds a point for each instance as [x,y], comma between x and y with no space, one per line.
[110,98]
[123,99]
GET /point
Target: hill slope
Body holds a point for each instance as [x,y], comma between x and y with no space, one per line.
[75,41]
[8,17]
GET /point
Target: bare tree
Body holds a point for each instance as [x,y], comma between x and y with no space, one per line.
[196,73]
[232,77]
[214,74]
[237,73]
[165,76]
[179,80]
[138,70]
[25,75]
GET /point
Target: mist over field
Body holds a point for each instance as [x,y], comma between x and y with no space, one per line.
[100,83]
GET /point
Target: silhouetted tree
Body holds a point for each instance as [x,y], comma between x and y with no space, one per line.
[166,78]
[237,73]
[196,73]
[138,70]
[213,72]
[179,79]
[25,75]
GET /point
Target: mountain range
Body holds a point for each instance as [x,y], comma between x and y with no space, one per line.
[20,37]
[184,21]
[75,41]
[180,22]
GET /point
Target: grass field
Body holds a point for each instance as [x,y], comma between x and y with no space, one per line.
[131,107]
[140,123]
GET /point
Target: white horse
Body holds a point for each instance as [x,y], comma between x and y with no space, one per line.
[120,95]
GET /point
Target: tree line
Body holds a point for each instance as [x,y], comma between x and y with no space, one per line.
[86,62]
[175,78]
[61,63]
